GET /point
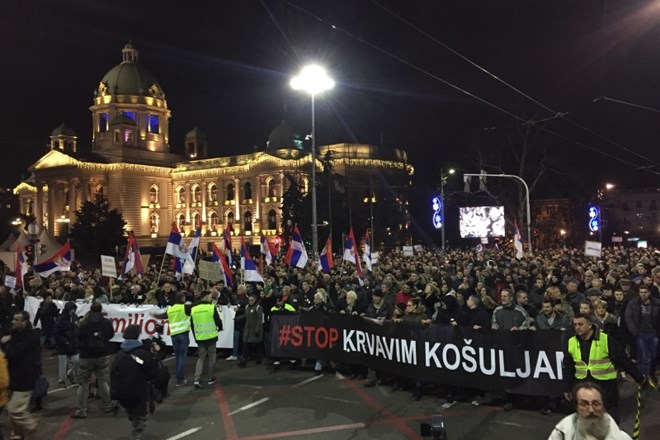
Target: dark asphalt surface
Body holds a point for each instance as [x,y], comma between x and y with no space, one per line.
[255,403]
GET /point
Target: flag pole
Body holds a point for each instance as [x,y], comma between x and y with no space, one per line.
[162,263]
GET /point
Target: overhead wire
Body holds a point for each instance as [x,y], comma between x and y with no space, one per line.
[556,114]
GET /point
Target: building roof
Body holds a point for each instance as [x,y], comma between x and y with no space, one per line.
[63,130]
[131,78]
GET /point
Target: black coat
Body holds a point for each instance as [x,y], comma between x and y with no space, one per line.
[47,314]
[23,353]
[95,323]
[66,335]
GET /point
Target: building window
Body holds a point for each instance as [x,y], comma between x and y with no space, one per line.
[197,193]
[213,220]
[230,220]
[103,122]
[153,194]
[153,124]
[212,190]
[180,221]
[154,222]
[272,219]
[180,195]
[196,220]
[230,191]
[272,188]
[128,136]
[131,115]
[247,221]
[247,191]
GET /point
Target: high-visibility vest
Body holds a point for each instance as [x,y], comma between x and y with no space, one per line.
[287,308]
[179,321]
[600,366]
[203,322]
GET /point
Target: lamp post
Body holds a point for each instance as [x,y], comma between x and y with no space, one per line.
[33,233]
[313,80]
[521,180]
[443,179]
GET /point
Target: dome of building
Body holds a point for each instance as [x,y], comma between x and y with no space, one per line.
[196,133]
[130,78]
[63,130]
[122,118]
[284,136]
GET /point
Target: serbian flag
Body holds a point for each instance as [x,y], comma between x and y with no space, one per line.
[220,258]
[132,258]
[176,246]
[60,262]
[517,241]
[21,266]
[325,259]
[226,243]
[296,255]
[250,272]
[193,248]
[268,249]
[351,252]
[366,255]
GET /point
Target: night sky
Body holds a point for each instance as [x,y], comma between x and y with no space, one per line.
[225,68]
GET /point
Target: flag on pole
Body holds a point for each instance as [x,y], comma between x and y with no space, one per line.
[366,255]
[268,250]
[221,259]
[193,248]
[59,262]
[132,259]
[176,246]
[296,255]
[21,266]
[517,241]
[325,259]
[226,244]
[250,272]
[351,252]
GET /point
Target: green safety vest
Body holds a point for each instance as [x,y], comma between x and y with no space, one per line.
[287,308]
[600,366]
[179,321]
[203,322]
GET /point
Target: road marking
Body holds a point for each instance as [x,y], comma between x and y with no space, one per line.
[184,433]
[306,381]
[57,390]
[63,429]
[251,405]
[334,399]
[223,405]
[305,431]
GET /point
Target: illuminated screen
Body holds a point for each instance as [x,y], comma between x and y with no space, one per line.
[482,221]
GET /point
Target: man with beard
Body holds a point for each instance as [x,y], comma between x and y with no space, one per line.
[591,420]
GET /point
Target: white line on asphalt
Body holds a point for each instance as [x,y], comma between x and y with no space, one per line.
[334,399]
[251,405]
[306,381]
[57,390]
[184,433]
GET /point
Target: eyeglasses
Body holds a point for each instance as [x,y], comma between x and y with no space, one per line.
[595,405]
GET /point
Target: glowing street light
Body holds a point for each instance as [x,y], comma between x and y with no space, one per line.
[609,186]
[313,79]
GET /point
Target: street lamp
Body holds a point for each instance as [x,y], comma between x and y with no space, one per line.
[443,179]
[313,80]
[33,235]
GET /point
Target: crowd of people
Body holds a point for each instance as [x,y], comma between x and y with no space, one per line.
[614,298]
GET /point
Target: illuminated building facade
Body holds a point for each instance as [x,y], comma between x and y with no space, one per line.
[130,163]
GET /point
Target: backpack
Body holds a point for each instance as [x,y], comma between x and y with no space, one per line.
[128,384]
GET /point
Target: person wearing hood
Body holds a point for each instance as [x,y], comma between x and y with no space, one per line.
[133,371]
[66,343]
[94,337]
[449,311]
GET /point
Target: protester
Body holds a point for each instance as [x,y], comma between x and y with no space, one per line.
[22,350]
[47,313]
[206,324]
[253,332]
[94,337]
[178,316]
[66,343]
[591,420]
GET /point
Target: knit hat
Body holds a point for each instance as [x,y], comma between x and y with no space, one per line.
[132,332]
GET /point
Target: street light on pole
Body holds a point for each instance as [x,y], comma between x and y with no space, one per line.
[314,80]
[443,179]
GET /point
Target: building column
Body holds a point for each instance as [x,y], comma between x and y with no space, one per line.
[84,187]
[203,187]
[50,207]
[257,209]
[187,201]
[72,201]
[237,196]
[39,206]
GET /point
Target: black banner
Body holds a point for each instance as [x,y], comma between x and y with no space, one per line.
[521,362]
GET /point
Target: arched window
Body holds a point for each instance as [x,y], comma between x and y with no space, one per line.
[230,191]
[153,194]
[303,184]
[197,193]
[180,195]
[247,221]
[230,220]
[212,192]
[272,188]
[180,221]
[154,222]
[272,219]
[196,220]
[247,191]
[212,218]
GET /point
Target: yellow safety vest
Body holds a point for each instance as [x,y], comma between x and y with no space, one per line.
[287,308]
[600,366]
[203,322]
[179,321]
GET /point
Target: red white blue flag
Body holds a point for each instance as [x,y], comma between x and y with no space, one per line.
[59,262]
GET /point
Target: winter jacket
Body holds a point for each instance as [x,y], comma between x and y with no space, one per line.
[254,329]
[95,325]
[66,334]
[23,353]
[634,315]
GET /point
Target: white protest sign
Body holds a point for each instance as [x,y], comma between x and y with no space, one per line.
[408,251]
[592,248]
[108,266]
[10,281]
[419,248]
[208,270]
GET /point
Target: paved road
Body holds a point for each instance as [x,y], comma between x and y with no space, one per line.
[255,403]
